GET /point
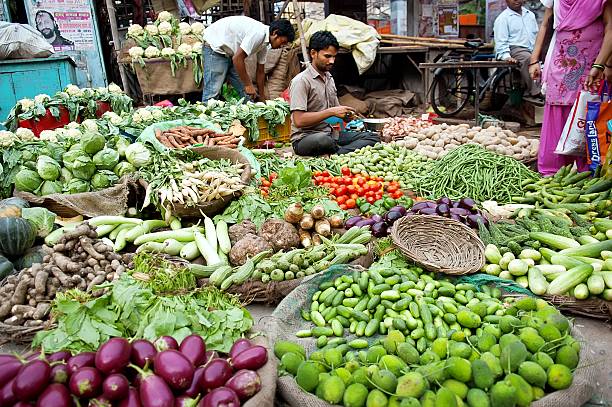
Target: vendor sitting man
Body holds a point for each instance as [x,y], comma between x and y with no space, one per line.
[313,99]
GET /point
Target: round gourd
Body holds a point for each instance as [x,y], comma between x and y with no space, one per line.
[31,256]
[6,267]
[16,236]
[11,207]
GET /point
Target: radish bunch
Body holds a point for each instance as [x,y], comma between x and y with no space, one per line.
[141,373]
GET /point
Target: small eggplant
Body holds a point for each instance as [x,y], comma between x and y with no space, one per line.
[86,382]
[222,396]
[428,211]
[194,348]
[444,200]
[174,368]
[240,345]
[399,209]
[8,371]
[215,374]
[472,220]
[443,210]
[392,216]
[459,212]
[142,351]
[115,387]
[245,383]
[377,218]
[62,355]
[113,356]
[185,401]
[379,229]
[100,401]
[365,222]
[194,388]
[166,342]
[154,391]
[352,221]
[467,203]
[132,400]
[83,359]
[7,396]
[31,380]
[252,358]
[418,206]
[431,204]
[60,374]
[4,358]
[56,395]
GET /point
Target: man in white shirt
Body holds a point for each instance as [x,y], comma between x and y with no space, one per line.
[228,42]
[515,31]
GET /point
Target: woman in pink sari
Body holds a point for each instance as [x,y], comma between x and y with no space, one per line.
[575,60]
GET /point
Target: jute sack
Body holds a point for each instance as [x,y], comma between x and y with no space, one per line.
[267,374]
[156,78]
[286,320]
[109,201]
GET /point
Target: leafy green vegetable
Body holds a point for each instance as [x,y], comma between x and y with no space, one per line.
[250,205]
[92,142]
[27,180]
[138,155]
[103,179]
[48,168]
[83,167]
[106,159]
[294,178]
[41,217]
[77,185]
[123,168]
[50,187]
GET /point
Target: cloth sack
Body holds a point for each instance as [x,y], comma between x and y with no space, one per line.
[573,140]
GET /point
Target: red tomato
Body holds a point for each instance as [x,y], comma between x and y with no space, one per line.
[397,194]
[347,180]
[378,196]
[370,199]
[351,189]
[333,185]
[360,191]
[343,207]
[354,196]
[346,171]
[350,204]
[361,180]
[341,199]
[273,176]
[391,189]
[326,184]
[341,189]
[266,183]
[370,194]
[325,173]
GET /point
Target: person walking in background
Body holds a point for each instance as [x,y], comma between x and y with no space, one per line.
[569,66]
[228,42]
[515,32]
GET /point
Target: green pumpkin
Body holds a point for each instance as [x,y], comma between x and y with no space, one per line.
[16,236]
[11,207]
[6,267]
[32,256]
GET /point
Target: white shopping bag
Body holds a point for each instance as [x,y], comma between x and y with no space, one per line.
[573,139]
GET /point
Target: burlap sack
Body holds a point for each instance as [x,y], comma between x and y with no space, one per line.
[109,201]
[277,79]
[266,395]
[156,78]
[286,320]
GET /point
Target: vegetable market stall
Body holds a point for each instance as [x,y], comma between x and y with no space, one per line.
[164,281]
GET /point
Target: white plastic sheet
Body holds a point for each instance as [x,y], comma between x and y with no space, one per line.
[22,41]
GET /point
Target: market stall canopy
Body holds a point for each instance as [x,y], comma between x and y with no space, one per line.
[361,39]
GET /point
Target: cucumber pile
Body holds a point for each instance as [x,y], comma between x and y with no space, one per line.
[450,346]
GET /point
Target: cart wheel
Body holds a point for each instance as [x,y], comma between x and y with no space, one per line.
[506,87]
[451,90]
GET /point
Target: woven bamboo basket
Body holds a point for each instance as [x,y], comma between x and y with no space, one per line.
[439,244]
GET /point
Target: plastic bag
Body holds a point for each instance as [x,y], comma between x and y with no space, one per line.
[572,140]
[19,41]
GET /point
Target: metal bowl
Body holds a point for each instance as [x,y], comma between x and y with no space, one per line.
[374,124]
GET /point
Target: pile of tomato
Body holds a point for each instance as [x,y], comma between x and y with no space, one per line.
[349,187]
[266,183]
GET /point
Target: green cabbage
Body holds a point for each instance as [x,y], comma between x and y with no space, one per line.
[106,159]
[27,180]
[92,142]
[48,168]
[27,155]
[76,186]
[54,150]
[42,218]
[71,155]
[83,167]
[65,175]
[50,187]
[121,145]
[103,179]
[123,168]
[138,155]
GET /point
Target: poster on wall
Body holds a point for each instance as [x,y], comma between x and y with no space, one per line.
[448,20]
[494,9]
[65,24]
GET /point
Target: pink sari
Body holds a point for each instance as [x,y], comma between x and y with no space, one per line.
[578,39]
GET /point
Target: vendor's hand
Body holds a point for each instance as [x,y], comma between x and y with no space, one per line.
[341,111]
[250,90]
[535,71]
[593,81]
[511,60]
[264,97]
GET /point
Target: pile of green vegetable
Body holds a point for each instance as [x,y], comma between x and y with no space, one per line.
[73,166]
[390,161]
[157,298]
[271,162]
[442,343]
[470,170]
[570,190]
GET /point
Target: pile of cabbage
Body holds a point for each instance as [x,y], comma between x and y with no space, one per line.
[89,164]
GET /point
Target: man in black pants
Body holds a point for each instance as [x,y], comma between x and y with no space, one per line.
[314,98]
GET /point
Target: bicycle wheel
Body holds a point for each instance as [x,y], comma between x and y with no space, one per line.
[450,91]
[507,86]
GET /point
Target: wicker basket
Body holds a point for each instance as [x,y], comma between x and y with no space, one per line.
[439,244]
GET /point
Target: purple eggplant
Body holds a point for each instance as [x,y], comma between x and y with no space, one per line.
[60,374]
[154,391]
[132,399]
[195,389]
[56,395]
[459,211]
[352,221]
[166,342]
[379,229]
[113,356]
[400,209]
[35,355]
[245,383]
[428,211]
[365,222]
[467,203]
[115,387]
[31,380]
[62,355]
[9,370]
[100,401]
[392,216]
[443,210]
[455,205]
[252,358]
[444,200]
[377,218]
[472,220]
[83,359]
[7,396]
[215,374]
[4,358]
[23,404]
[194,348]
[240,345]
[86,382]
[221,397]
[418,206]
[457,218]
[174,368]
[185,401]
[142,351]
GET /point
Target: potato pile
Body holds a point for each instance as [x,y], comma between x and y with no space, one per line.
[400,127]
[78,260]
[436,141]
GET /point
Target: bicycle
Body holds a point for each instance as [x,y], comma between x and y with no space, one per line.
[453,88]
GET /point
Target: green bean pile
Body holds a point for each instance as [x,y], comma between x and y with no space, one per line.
[472,171]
